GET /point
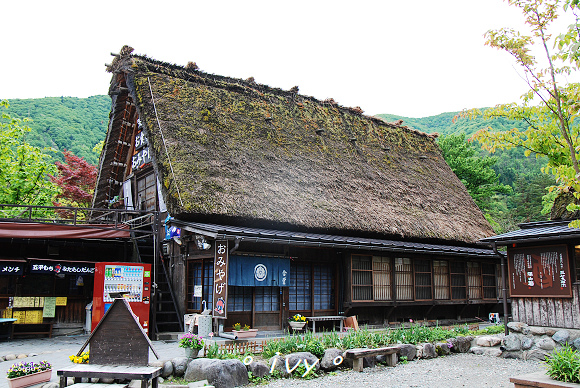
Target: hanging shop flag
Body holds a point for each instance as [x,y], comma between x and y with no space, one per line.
[220,279]
[66,268]
[539,272]
[251,271]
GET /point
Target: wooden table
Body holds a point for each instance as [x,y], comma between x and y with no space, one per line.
[6,327]
[326,318]
[143,373]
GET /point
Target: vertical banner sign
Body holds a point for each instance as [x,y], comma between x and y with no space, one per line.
[220,279]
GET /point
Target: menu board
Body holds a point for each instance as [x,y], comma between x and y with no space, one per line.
[539,272]
[48,310]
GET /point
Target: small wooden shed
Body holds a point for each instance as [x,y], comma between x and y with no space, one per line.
[119,339]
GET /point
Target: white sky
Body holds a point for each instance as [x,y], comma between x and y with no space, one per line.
[412,58]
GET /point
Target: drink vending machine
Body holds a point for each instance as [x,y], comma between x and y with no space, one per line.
[131,281]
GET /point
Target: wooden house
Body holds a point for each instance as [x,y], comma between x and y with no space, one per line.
[324,210]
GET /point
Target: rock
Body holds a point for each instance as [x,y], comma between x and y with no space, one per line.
[258,369]
[94,380]
[160,380]
[429,351]
[32,354]
[105,380]
[179,366]
[2,358]
[561,336]
[486,351]
[576,343]
[514,354]
[550,331]
[330,355]
[295,358]
[460,344]
[369,362]
[511,343]
[537,330]
[442,349]
[346,363]
[167,369]
[200,383]
[518,327]
[479,350]
[406,350]
[419,349]
[487,341]
[279,365]
[546,344]
[535,354]
[21,356]
[527,343]
[220,373]
[10,357]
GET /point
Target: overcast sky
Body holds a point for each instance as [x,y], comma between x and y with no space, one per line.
[411,58]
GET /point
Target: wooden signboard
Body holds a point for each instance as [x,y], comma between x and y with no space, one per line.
[220,279]
[539,272]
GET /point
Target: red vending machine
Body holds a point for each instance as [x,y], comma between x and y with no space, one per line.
[131,280]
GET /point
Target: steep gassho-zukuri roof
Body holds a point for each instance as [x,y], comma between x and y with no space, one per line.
[233,150]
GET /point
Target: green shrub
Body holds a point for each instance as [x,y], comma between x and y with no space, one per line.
[564,365]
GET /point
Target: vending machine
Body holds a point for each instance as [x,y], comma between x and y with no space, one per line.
[131,281]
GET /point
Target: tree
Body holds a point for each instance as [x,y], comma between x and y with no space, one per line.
[76,178]
[550,107]
[473,170]
[24,169]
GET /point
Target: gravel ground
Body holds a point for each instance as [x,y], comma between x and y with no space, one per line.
[461,370]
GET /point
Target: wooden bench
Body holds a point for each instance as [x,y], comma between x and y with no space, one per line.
[357,356]
[33,328]
[116,372]
[98,385]
[325,318]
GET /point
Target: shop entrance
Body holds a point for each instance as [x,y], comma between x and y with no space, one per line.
[257,307]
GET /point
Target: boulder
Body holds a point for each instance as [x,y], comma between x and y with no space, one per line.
[300,357]
[460,344]
[518,327]
[511,343]
[546,344]
[550,331]
[258,369]
[535,354]
[419,351]
[487,341]
[219,373]
[407,350]
[179,366]
[513,354]
[537,330]
[576,343]
[561,336]
[442,348]
[21,356]
[429,351]
[10,357]
[486,351]
[527,343]
[105,380]
[327,361]
[167,369]
[280,367]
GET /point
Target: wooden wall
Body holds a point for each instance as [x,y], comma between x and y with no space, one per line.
[549,312]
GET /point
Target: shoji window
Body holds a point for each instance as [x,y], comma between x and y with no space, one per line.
[474,280]
[441,279]
[199,273]
[239,298]
[267,298]
[323,287]
[488,278]
[362,277]
[458,285]
[300,287]
[382,275]
[403,278]
[422,279]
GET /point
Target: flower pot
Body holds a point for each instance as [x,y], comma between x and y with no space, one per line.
[191,353]
[28,380]
[251,333]
[297,325]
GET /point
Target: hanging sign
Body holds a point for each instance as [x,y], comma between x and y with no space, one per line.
[62,267]
[140,141]
[539,272]
[141,158]
[11,268]
[220,279]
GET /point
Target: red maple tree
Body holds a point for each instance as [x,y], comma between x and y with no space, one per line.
[76,179]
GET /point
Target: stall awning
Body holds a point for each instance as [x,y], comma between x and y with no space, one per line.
[251,271]
[39,230]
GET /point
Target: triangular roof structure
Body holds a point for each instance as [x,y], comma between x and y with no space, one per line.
[119,339]
[234,152]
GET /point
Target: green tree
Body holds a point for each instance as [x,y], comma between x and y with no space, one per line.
[24,169]
[473,170]
[550,107]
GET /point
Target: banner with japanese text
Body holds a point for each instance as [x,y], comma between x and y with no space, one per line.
[220,279]
[539,272]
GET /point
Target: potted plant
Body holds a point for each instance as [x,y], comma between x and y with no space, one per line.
[24,374]
[297,322]
[244,332]
[192,344]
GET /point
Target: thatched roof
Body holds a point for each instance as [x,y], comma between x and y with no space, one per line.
[229,150]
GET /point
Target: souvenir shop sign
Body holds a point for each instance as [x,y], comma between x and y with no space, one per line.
[250,271]
[539,272]
[220,279]
[11,268]
[141,158]
[62,267]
